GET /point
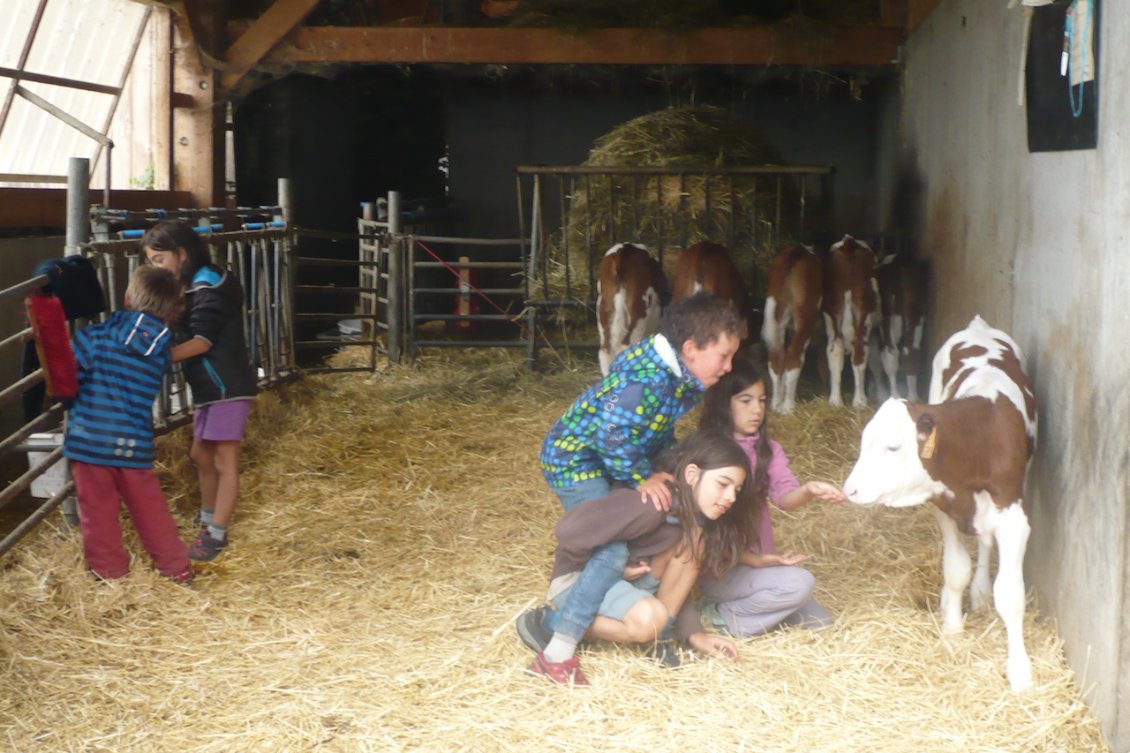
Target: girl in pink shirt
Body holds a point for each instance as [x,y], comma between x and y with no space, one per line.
[767,589]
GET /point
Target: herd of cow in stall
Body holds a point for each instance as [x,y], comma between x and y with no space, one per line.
[966,450]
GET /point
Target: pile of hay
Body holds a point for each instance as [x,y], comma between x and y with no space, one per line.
[668,213]
[393,526]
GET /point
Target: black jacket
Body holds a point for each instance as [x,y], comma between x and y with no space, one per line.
[215,314]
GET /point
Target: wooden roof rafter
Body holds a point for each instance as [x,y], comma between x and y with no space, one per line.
[758,45]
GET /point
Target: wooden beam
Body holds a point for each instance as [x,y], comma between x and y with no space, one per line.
[762,45]
[892,13]
[278,21]
[206,18]
[197,131]
[918,11]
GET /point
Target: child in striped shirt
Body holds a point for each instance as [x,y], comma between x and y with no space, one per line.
[109,434]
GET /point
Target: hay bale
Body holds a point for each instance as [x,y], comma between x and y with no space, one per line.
[667,213]
[393,525]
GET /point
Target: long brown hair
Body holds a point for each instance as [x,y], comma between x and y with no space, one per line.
[717,544]
[717,415]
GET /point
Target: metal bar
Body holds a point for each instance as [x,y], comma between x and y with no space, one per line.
[332,289]
[330,343]
[43,420]
[25,287]
[741,170]
[62,115]
[21,386]
[312,261]
[36,518]
[457,291]
[20,337]
[564,238]
[33,29]
[15,487]
[470,241]
[78,201]
[69,83]
[468,265]
[330,317]
[468,317]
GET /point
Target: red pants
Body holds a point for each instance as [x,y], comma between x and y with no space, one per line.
[98,488]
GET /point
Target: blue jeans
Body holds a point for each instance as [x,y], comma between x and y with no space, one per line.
[603,570]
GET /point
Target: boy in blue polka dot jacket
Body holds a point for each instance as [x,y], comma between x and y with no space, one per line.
[612,434]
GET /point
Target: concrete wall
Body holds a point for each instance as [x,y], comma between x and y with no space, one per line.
[1036,243]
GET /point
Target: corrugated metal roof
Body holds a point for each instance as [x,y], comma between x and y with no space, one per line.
[76,39]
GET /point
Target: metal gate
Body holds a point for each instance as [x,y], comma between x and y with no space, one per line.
[572,215]
[255,244]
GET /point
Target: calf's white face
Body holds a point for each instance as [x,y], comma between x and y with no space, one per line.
[889,471]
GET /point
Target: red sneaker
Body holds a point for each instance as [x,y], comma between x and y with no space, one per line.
[566,672]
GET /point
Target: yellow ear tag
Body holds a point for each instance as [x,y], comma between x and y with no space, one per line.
[928,447]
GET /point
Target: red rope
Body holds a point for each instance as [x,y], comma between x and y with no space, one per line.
[472,286]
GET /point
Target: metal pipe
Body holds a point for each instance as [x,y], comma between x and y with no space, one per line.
[36,517]
[78,204]
[746,170]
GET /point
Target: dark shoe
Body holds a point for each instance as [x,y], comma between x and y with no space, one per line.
[531,629]
[205,548]
[665,652]
[567,672]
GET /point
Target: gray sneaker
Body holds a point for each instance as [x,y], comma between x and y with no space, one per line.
[531,629]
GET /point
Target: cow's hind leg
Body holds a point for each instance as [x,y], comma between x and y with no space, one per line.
[835,361]
[981,589]
[956,571]
[1011,532]
[803,324]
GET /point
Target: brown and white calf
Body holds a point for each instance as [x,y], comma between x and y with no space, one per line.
[708,266]
[851,308]
[792,308]
[967,452]
[630,294]
[903,288]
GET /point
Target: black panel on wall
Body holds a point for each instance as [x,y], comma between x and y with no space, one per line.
[1060,117]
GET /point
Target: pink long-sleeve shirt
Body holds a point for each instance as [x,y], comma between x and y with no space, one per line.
[781,482]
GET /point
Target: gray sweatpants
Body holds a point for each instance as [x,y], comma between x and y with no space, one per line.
[754,600]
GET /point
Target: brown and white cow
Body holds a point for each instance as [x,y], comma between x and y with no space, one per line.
[851,308]
[630,294]
[967,452]
[792,308]
[707,266]
[903,289]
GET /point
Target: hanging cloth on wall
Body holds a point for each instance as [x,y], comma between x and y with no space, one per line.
[1079,50]
[1028,5]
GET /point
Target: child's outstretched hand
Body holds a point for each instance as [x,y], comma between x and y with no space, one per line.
[826,492]
[656,490]
[711,644]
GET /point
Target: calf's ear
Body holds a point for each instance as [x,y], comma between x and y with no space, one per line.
[927,429]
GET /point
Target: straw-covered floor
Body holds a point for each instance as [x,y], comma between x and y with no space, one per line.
[391,529]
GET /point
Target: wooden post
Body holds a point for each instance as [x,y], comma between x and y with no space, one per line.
[197,124]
